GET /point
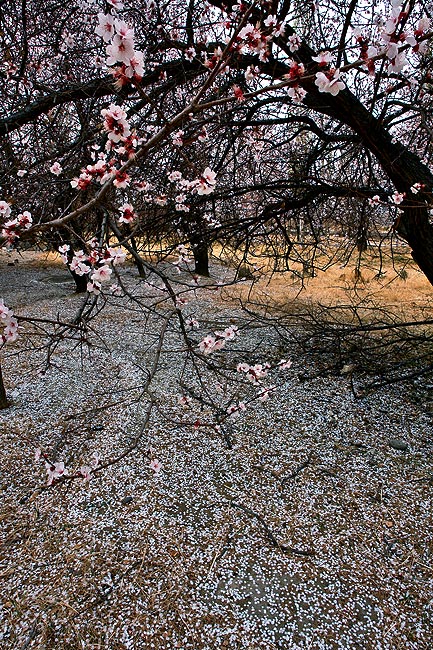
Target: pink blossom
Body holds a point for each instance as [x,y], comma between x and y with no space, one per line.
[121,179]
[397,64]
[296,94]
[116,256]
[417,187]
[192,323]
[115,122]
[375,200]
[252,72]
[295,43]
[5,312]
[5,209]
[128,213]
[117,4]
[81,182]
[203,135]
[56,169]
[323,58]
[329,82]
[86,472]
[238,93]
[105,29]
[177,138]
[135,66]
[155,465]
[423,26]
[22,172]
[94,287]
[116,290]
[55,471]
[190,54]
[263,395]
[284,365]
[102,274]
[121,49]
[174,176]
[206,182]
[25,220]
[207,345]
[398,197]
[296,70]
[94,463]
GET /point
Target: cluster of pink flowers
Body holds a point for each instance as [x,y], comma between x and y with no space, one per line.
[252,41]
[214,60]
[9,324]
[120,49]
[295,91]
[205,184]
[393,42]
[57,470]
[116,123]
[121,141]
[12,227]
[100,172]
[213,343]
[398,197]
[252,72]
[96,263]
[183,256]
[254,373]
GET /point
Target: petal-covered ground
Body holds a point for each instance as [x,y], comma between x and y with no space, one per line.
[305,522]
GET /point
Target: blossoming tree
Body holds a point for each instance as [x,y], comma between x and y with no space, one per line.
[110,113]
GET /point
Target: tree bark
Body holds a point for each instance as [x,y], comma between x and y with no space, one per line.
[201,259]
[80,282]
[3,398]
[137,261]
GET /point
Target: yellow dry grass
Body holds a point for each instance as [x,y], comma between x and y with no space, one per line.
[393,282]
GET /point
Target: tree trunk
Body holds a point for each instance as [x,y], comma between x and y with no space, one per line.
[137,260]
[3,399]
[201,259]
[80,282]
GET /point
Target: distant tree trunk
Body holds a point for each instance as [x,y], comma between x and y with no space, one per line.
[80,282]
[137,261]
[201,258]
[3,399]
[300,230]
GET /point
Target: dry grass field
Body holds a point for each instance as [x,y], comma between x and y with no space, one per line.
[391,281]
